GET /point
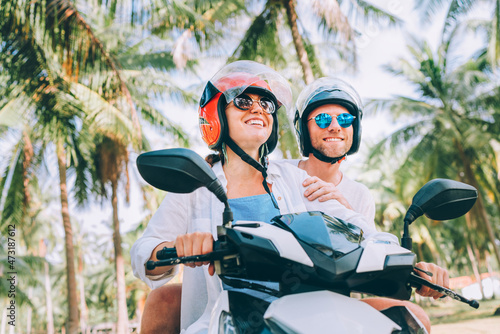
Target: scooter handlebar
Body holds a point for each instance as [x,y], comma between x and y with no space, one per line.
[150,265]
[168,257]
[417,281]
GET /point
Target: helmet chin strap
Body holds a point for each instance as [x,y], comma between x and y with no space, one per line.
[318,155]
[254,163]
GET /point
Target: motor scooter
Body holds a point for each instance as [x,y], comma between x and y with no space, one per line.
[295,273]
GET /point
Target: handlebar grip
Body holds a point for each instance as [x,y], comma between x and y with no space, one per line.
[150,265]
[168,257]
[166,253]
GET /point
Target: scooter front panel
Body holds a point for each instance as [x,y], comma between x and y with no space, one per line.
[326,312]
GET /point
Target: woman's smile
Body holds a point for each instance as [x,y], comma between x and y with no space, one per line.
[255,121]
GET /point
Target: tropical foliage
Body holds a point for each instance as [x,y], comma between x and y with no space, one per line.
[82,84]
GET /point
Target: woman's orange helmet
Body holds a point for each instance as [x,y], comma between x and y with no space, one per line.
[231,81]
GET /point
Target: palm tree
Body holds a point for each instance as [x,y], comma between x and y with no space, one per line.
[279,20]
[69,91]
[457,11]
[26,29]
[111,158]
[449,131]
[23,205]
[263,38]
[149,71]
[335,18]
[449,244]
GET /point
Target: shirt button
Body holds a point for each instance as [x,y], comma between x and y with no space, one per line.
[279,198]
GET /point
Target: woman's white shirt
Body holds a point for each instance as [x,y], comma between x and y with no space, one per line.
[202,211]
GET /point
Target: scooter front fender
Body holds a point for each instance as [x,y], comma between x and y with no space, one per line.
[326,312]
[309,313]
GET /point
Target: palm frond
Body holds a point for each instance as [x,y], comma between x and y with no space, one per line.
[68,34]
[332,20]
[164,125]
[372,13]
[429,8]
[261,42]
[11,187]
[314,60]
[150,85]
[9,112]
[456,10]
[102,115]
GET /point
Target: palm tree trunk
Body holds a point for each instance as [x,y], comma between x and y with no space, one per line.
[494,42]
[297,41]
[48,300]
[72,324]
[83,304]
[471,179]
[122,321]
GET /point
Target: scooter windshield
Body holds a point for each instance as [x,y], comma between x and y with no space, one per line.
[329,235]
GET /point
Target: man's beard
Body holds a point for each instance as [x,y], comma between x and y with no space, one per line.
[332,152]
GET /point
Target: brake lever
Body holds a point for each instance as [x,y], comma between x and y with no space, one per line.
[417,268]
[417,281]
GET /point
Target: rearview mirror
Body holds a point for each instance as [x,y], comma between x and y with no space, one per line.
[439,199]
[442,199]
[179,170]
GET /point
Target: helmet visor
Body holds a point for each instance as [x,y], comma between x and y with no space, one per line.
[233,79]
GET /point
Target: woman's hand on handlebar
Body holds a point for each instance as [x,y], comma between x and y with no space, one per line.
[439,277]
[197,243]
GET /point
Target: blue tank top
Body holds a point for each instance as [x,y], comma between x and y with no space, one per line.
[255,208]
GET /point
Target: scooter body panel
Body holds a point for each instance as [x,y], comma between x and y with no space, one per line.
[326,312]
[286,244]
[375,254]
[303,313]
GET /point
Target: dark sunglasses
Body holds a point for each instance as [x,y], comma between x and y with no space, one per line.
[324,120]
[244,102]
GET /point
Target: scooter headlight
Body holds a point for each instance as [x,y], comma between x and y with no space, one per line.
[226,324]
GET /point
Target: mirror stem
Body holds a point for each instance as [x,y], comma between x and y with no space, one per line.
[227,215]
[414,211]
[406,240]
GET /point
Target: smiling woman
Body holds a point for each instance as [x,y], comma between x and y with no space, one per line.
[232,124]
[249,128]
[238,119]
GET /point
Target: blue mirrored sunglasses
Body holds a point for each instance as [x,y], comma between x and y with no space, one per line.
[324,120]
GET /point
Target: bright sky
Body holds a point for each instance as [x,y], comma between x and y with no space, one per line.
[376,47]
